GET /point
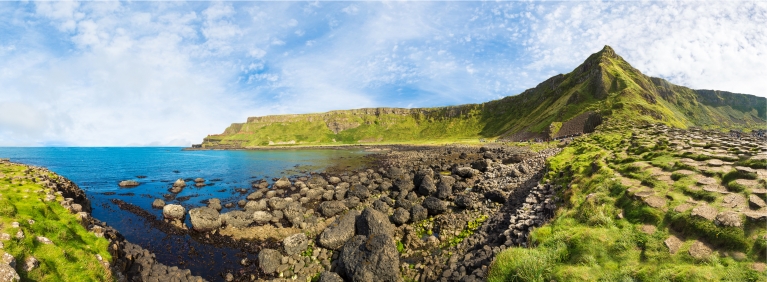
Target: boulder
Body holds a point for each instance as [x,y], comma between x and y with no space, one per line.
[427,186]
[179,183]
[295,244]
[204,219]
[403,185]
[334,180]
[400,216]
[327,276]
[418,213]
[464,201]
[728,218]
[372,222]
[317,181]
[237,219]
[495,195]
[253,206]
[255,196]
[173,211]
[128,183]
[8,273]
[404,203]
[215,204]
[262,217]
[434,206]
[277,204]
[30,264]
[381,206]
[282,183]
[352,202]
[372,258]
[199,180]
[158,203]
[755,202]
[269,260]
[359,191]
[465,172]
[331,208]
[338,232]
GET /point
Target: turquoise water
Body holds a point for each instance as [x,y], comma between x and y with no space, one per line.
[98,171]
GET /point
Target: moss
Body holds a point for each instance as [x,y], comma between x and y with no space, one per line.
[727,237]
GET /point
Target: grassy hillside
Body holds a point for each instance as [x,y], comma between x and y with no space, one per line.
[72,254]
[605,85]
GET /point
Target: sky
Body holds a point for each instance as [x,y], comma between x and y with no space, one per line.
[167,73]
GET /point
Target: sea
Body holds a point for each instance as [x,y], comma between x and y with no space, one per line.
[99,170]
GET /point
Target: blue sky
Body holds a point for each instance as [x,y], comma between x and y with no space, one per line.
[112,73]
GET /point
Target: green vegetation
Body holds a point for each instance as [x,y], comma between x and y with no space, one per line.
[71,257]
[605,232]
[467,231]
[604,84]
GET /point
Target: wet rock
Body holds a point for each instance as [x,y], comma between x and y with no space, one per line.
[173,211]
[179,183]
[269,260]
[331,208]
[242,203]
[418,213]
[400,216]
[403,185]
[237,219]
[373,258]
[372,222]
[338,232]
[199,180]
[158,203]
[215,204]
[283,183]
[262,217]
[204,219]
[255,196]
[434,206]
[295,244]
[128,183]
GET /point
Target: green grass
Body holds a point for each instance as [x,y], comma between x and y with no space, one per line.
[588,241]
[72,257]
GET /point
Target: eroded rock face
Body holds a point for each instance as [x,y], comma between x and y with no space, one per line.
[370,259]
[372,222]
[341,230]
[204,219]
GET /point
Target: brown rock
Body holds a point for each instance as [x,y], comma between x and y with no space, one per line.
[673,243]
[728,218]
[705,211]
[755,202]
[655,202]
[699,250]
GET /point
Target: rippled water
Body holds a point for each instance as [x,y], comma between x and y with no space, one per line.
[99,170]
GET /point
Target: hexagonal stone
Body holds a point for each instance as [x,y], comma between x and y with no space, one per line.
[728,218]
[714,162]
[734,201]
[702,180]
[705,211]
[683,207]
[673,243]
[699,250]
[655,202]
[755,202]
[745,169]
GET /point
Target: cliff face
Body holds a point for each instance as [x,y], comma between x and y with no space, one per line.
[605,86]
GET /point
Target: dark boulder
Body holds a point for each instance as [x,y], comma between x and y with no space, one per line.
[204,219]
[434,206]
[381,206]
[269,260]
[373,222]
[496,196]
[464,201]
[418,213]
[331,208]
[338,232]
[295,243]
[359,191]
[400,216]
[373,258]
[404,203]
[427,187]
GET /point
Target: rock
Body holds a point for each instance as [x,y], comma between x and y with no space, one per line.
[262,217]
[699,250]
[755,202]
[204,219]
[8,273]
[242,203]
[269,260]
[283,183]
[481,165]
[128,183]
[372,222]
[704,211]
[43,240]
[199,180]
[253,206]
[215,204]
[673,243]
[400,216]
[179,183]
[427,187]
[359,191]
[237,219]
[8,259]
[255,196]
[445,187]
[404,203]
[173,211]
[338,232]
[277,204]
[418,213]
[728,218]
[381,206]
[352,202]
[30,264]
[317,181]
[370,259]
[403,185]
[331,208]
[464,201]
[334,180]
[327,276]
[158,203]
[295,244]
[465,172]
[434,206]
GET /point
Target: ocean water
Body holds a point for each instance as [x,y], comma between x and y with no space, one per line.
[98,171]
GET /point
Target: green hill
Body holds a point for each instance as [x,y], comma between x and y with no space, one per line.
[603,87]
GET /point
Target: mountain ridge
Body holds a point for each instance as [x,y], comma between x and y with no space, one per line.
[603,86]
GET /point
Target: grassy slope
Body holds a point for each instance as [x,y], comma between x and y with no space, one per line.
[71,257]
[604,83]
[587,241]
